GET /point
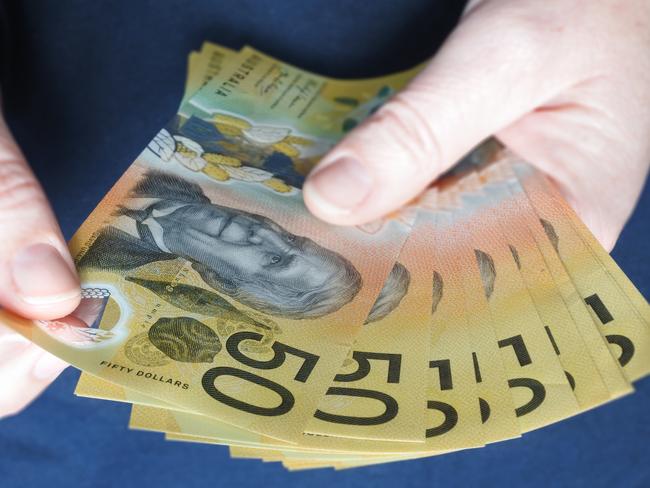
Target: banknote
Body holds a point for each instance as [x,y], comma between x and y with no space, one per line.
[619,312]
[303,459]
[522,211]
[261,101]
[616,384]
[494,401]
[454,418]
[193,81]
[378,393]
[579,367]
[495,313]
[556,204]
[203,65]
[571,357]
[610,372]
[541,392]
[222,297]
[294,453]
[372,345]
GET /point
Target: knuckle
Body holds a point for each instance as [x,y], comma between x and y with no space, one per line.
[525,35]
[18,187]
[408,126]
[523,31]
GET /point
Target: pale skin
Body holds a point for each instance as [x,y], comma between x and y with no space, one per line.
[564,84]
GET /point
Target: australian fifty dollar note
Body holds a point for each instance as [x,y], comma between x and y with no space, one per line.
[206,283]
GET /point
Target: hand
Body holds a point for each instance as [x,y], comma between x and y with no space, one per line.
[566,85]
[37,277]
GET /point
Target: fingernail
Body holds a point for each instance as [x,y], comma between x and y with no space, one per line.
[48,367]
[340,186]
[42,277]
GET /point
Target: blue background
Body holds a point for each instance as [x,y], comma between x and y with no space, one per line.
[87,84]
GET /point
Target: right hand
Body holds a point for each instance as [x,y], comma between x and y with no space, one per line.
[37,277]
[565,85]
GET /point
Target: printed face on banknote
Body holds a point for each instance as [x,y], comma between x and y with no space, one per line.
[395,287]
[245,256]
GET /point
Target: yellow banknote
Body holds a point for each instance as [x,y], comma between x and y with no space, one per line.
[193,81]
[378,393]
[617,308]
[538,384]
[226,298]
[204,65]
[453,415]
[490,325]
[562,209]
[370,349]
[268,456]
[213,61]
[495,402]
[496,166]
[254,453]
[91,386]
[453,419]
[267,102]
[157,419]
[609,370]
[186,424]
[578,364]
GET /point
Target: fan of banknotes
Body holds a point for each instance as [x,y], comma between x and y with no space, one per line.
[225,313]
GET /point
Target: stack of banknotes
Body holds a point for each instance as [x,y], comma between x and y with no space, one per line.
[225,313]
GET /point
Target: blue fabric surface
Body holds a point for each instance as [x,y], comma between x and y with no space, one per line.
[87,84]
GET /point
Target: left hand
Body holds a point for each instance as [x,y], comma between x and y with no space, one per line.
[25,371]
[37,277]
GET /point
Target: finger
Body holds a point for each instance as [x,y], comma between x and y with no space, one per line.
[25,371]
[496,66]
[37,275]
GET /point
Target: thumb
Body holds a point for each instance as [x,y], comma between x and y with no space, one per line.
[37,275]
[486,76]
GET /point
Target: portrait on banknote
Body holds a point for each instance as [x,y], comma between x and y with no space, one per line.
[396,286]
[244,256]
